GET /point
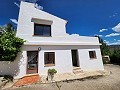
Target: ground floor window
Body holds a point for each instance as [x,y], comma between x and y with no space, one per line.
[49,58]
[92,54]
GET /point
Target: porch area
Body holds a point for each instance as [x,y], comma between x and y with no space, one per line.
[75,76]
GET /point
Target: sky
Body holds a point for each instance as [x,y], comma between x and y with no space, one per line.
[85,17]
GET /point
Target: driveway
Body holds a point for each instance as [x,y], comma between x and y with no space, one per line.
[111,82]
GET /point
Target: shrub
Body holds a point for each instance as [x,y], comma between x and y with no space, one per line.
[51,73]
[10,45]
[115,57]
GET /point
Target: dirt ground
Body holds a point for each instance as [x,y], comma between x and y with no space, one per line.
[111,82]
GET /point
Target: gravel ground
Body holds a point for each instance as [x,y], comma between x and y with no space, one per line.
[111,82]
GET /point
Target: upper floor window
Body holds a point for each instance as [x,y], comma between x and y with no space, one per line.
[42,30]
[92,54]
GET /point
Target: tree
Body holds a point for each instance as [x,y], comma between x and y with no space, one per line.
[104,47]
[115,56]
[10,45]
[10,27]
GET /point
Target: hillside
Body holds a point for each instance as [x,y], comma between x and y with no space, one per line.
[114,47]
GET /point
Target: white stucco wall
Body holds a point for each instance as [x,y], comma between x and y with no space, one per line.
[16,68]
[63,60]
[29,15]
[87,64]
[26,23]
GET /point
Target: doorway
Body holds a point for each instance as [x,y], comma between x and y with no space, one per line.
[32,62]
[75,58]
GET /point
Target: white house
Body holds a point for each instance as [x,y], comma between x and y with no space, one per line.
[49,46]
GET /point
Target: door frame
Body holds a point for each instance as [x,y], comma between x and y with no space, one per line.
[27,61]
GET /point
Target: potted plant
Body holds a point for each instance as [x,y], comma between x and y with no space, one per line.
[51,73]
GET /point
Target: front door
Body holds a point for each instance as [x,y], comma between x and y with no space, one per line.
[32,62]
[75,58]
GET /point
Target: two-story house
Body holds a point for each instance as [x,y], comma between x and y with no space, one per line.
[49,46]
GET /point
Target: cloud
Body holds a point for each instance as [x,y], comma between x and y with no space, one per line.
[73,35]
[102,30]
[32,1]
[14,21]
[17,4]
[115,43]
[38,6]
[117,28]
[112,34]
[107,42]
[98,35]
[115,13]
[118,40]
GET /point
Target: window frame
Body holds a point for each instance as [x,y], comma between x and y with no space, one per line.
[35,24]
[49,64]
[94,55]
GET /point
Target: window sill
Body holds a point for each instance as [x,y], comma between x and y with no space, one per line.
[92,58]
[40,36]
[48,65]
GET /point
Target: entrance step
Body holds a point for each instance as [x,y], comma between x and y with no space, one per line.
[28,79]
[77,70]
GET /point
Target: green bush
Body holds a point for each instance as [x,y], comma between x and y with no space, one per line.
[10,45]
[115,57]
[52,71]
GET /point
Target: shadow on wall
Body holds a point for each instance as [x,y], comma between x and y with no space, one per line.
[11,68]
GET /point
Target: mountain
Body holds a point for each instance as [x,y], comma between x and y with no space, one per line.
[114,46]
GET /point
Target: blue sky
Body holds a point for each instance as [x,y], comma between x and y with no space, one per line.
[85,17]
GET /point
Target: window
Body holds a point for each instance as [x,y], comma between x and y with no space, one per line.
[92,54]
[42,30]
[49,58]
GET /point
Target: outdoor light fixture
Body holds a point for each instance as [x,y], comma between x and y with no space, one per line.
[39,48]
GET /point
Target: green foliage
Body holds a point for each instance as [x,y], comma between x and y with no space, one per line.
[104,48]
[10,45]
[115,56]
[52,71]
[2,28]
[9,27]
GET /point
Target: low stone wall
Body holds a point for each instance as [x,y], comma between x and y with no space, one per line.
[9,68]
